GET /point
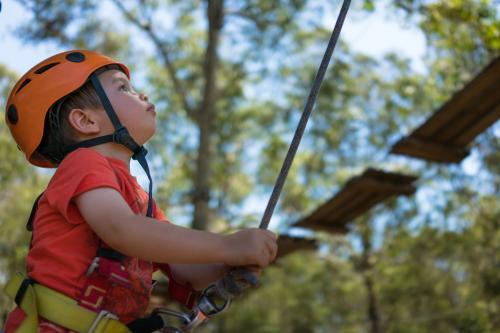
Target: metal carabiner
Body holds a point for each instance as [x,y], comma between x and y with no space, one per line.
[207,303]
[167,314]
[206,308]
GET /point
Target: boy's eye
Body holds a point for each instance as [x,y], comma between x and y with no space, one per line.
[123,87]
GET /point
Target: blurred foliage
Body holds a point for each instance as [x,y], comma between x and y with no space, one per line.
[429,263]
[20,185]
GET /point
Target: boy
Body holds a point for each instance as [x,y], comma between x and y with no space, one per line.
[97,235]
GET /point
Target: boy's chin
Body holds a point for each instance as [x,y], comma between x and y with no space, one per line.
[148,136]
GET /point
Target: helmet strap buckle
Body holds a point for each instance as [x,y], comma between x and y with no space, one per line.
[122,136]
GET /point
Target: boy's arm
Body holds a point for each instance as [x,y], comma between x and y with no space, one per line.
[107,213]
[198,276]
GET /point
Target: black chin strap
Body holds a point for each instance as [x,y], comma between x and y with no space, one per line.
[120,136]
[141,158]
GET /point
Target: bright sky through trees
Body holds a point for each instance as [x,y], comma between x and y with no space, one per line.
[373,34]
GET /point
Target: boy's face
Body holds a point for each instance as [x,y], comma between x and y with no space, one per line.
[132,108]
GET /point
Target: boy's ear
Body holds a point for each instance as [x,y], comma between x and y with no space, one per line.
[84,121]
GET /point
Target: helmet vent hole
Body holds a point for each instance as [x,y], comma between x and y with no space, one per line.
[12,115]
[25,82]
[46,67]
[75,57]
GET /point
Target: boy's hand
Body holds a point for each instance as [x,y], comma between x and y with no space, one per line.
[237,281]
[250,247]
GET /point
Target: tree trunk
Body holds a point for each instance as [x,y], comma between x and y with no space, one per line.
[205,118]
[373,315]
[366,268]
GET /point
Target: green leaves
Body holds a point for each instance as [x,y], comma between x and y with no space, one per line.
[369,5]
[20,185]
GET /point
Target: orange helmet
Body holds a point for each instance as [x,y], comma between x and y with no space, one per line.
[41,87]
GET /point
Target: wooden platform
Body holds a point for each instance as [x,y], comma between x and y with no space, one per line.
[447,135]
[289,244]
[359,194]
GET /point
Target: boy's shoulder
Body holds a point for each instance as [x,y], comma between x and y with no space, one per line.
[80,162]
[82,157]
[78,166]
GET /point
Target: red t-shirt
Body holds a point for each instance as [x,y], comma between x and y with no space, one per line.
[64,245]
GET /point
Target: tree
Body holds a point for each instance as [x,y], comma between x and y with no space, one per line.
[20,186]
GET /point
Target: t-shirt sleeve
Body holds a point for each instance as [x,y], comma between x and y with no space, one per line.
[81,171]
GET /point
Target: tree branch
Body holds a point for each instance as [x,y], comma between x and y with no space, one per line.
[146,27]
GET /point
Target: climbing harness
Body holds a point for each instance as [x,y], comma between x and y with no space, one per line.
[36,299]
[86,313]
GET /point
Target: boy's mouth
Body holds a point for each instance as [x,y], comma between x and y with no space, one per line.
[151,109]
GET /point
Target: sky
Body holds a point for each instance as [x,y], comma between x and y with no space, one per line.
[373,35]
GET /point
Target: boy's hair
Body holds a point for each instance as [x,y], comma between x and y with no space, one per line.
[58,135]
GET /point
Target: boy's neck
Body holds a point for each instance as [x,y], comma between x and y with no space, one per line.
[116,151]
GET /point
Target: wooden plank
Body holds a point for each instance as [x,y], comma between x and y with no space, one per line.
[416,147]
[358,195]
[346,212]
[353,209]
[344,197]
[319,213]
[389,176]
[367,205]
[489,76]
[469,115]
[488,119]
[288,245]
[333,228]
[346,194]
[387,187]
[446,135]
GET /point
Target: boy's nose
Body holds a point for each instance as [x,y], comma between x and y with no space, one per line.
[144,97]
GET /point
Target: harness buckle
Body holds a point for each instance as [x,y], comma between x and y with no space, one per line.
[197,318]
[93,265]
[101,316]
[22,290]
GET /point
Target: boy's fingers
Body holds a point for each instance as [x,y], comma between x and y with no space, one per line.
[268,234]
[274,253]
[253,268]
[272,235]
[273,249]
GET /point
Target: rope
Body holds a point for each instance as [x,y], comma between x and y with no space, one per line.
[278,186]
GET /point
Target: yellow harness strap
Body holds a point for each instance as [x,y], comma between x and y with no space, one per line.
[61,310]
